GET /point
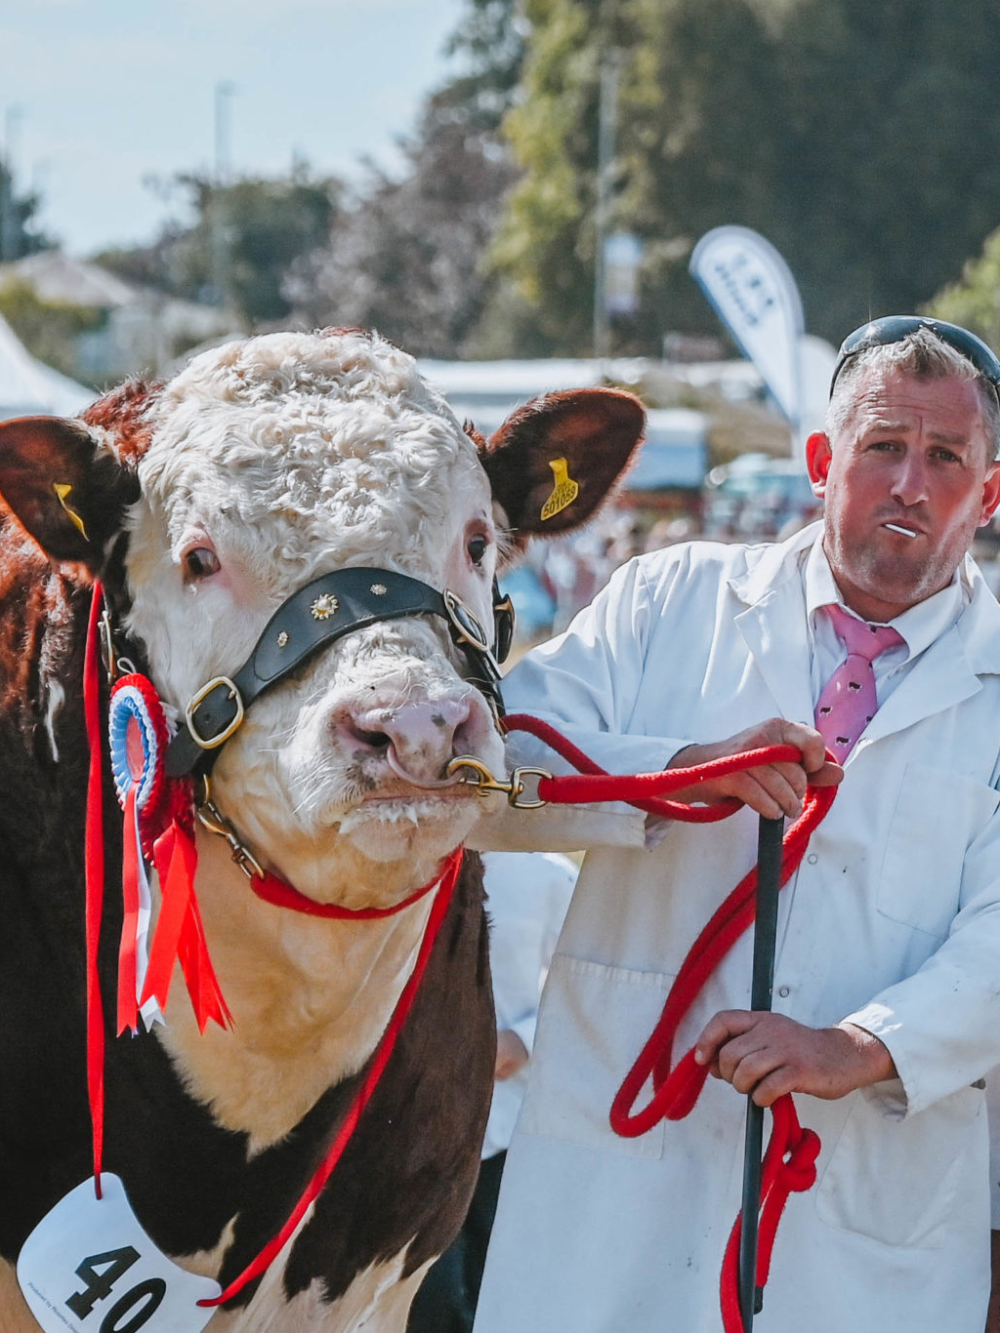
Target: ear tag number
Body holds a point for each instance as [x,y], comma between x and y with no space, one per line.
[564,492]
[88,1267]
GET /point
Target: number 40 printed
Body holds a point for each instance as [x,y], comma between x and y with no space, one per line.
[134,1308]
[89,1267]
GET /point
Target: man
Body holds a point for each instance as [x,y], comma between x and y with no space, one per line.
[887,978]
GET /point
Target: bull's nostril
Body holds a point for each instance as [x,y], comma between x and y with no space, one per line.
[378,740]
[370,738]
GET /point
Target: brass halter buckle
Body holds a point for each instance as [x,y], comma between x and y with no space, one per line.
[484,780]
[213,742]
[216,822]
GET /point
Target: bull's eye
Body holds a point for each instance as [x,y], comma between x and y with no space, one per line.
[200,563]
[477,548]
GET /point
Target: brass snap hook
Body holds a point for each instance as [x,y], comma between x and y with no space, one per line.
[485,781]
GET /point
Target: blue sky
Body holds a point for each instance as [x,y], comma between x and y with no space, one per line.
[109,93]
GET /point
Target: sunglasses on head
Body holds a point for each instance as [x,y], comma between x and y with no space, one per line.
[894,328]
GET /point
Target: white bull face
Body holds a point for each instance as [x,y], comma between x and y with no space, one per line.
[275,461]
[263,465]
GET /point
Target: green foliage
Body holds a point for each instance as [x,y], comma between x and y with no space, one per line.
[974,301]
[244,247]
[407,257]
[48,329]
[19,232]
[490,40]
[858,137]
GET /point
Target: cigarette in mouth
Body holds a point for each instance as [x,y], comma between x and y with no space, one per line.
[894,527]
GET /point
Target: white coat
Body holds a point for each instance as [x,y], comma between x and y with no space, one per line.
[892,920]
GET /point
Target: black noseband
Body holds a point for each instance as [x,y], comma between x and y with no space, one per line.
[318,614]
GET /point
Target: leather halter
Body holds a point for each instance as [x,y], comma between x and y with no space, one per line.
[318,614]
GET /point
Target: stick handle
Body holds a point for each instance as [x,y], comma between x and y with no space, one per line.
[769,851]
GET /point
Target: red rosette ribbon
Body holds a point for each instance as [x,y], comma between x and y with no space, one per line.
[139,734]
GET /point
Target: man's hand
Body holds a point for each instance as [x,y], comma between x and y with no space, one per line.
[512,1055]
[770,789]
[768,1055]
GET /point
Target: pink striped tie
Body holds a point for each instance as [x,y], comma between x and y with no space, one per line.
[848,702]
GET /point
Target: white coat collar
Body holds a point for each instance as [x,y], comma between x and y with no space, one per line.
[773,628]
[773,622]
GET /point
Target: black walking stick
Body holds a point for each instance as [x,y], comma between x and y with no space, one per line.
[764,940]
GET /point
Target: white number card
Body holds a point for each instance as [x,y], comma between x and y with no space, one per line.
[88,1267]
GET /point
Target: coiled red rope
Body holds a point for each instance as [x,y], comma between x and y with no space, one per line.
[790,1159]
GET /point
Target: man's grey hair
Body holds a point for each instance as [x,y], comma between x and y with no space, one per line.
[921,354]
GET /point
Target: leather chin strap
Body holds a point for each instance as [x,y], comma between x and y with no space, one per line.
[317,615]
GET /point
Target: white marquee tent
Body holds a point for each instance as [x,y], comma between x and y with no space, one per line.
[29,387]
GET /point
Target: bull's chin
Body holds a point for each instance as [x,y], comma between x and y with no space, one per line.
[418,829]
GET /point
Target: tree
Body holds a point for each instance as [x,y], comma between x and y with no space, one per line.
[244,245]
[407,257]
[19,231]
[840,129]
[974,300]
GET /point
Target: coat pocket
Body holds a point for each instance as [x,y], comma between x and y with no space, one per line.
[937,815]
[593,1022]
[897,1181]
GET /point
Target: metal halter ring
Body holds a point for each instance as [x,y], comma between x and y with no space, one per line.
[469,629]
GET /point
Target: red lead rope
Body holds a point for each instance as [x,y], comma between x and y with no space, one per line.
[442,885]
[445,882]
[790,1159]
[789,1163]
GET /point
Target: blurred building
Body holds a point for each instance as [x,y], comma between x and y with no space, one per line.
[135,330]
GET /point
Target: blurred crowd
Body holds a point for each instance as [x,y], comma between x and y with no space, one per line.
[753,499]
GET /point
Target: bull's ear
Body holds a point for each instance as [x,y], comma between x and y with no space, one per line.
[64,485]
[553,461]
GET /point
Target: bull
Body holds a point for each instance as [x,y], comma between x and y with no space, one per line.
[244,490]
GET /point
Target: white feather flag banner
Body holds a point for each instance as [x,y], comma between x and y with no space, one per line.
[755,296]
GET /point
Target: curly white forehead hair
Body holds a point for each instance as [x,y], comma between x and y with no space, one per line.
[336,431]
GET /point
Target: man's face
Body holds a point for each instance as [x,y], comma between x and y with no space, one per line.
[906,482]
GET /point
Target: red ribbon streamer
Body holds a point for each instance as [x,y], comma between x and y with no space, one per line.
[94,876]
[128,1010]
[180,935]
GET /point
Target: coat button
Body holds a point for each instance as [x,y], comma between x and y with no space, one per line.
[784,991]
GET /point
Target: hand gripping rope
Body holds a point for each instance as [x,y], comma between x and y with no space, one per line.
[790,1160]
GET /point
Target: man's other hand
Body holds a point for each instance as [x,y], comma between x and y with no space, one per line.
[770,789]
[767,1055]
[512,1055]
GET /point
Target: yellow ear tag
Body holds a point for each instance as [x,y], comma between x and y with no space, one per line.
[62,489]
[564,492]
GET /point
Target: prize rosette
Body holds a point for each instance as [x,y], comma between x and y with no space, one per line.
[158,822]
[138,735]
